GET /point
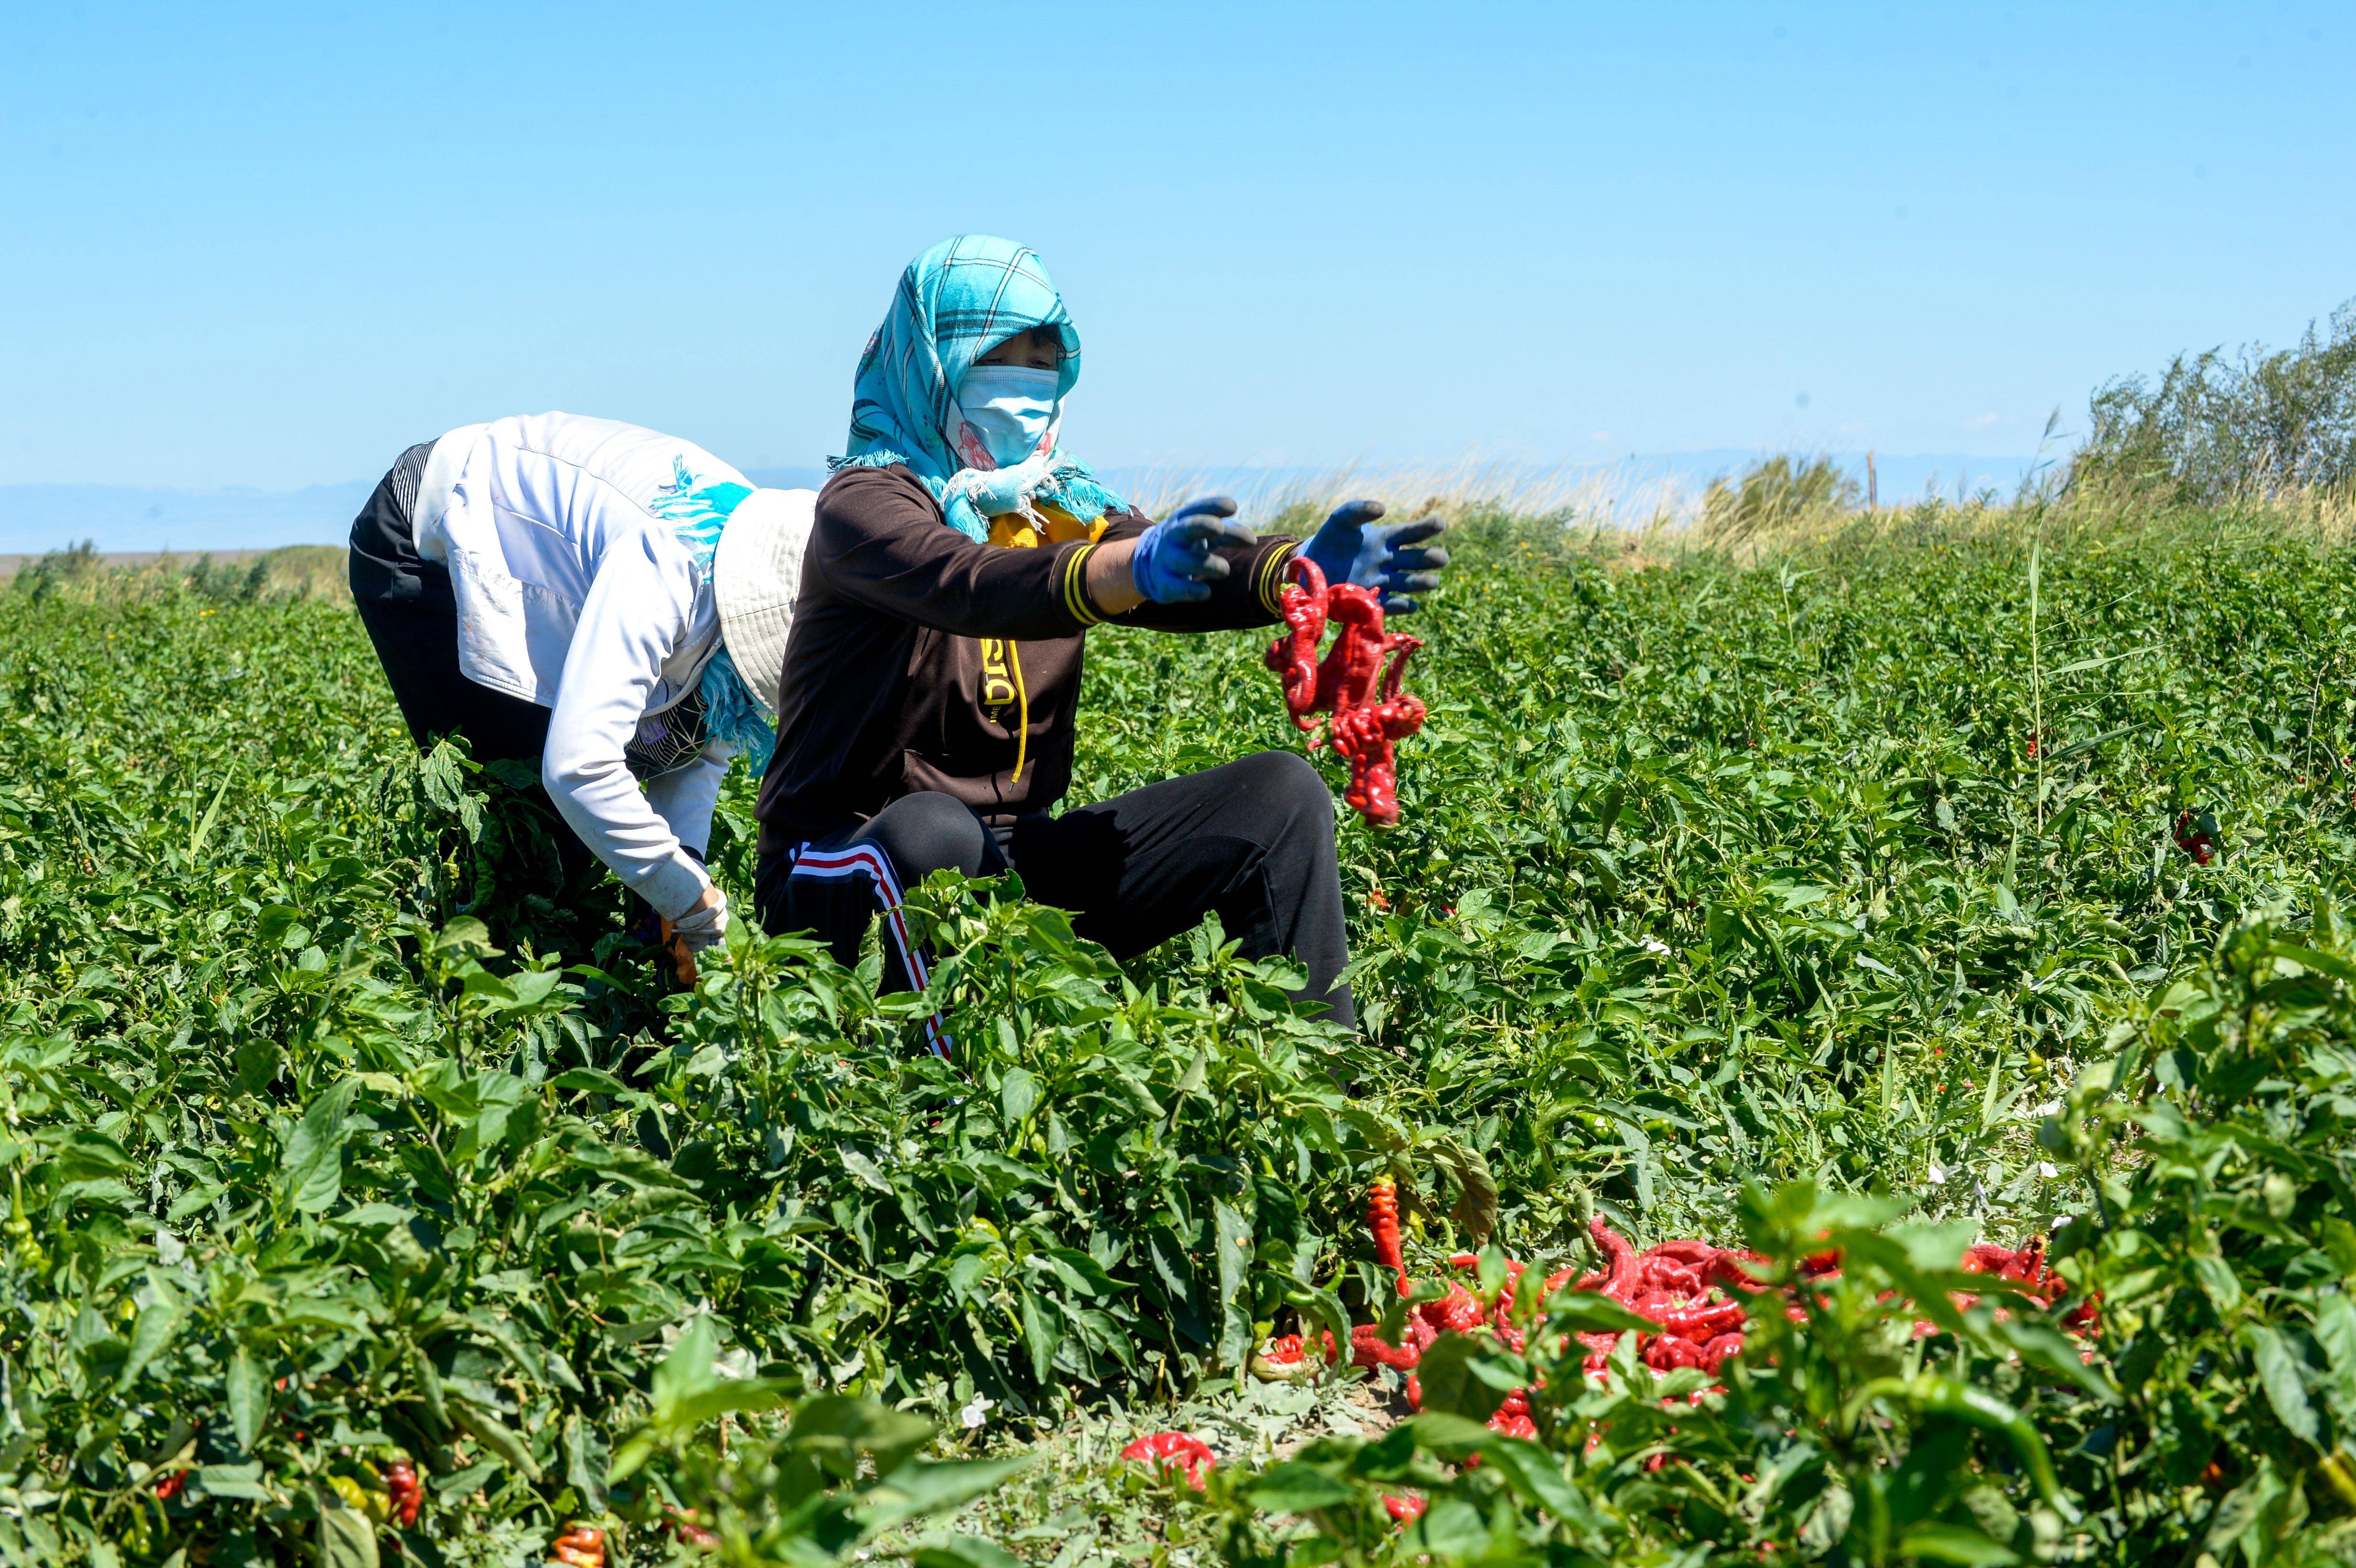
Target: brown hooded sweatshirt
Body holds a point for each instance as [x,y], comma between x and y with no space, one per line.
[918,655]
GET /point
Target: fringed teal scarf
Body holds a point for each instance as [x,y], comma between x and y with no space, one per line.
[696,515]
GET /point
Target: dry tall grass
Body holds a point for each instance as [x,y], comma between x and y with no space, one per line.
[1784,506]
[1617,518]
[292,572]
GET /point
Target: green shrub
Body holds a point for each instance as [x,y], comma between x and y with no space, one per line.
[2213,430]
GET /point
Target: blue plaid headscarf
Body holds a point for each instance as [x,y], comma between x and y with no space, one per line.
[955,302]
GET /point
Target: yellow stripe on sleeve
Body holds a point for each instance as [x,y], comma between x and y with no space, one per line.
[1271,580]
[1076,589]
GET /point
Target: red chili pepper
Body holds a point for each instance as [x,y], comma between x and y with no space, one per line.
[1407,1509]
[1369,1348]
[580,1548]
[401,1487]
[1513,1425]
[1287,1358]
[1714,1354]
[1619,1275]
[1358,682]
[1382,1219]
[170,1486]
[2193,836]
[1458,1312]
[688,1531]
[1703,1324]
[1172,1450]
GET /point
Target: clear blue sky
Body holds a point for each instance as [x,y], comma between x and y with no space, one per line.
[271,245]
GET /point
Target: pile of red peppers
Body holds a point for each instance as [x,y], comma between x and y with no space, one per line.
[1698,1294]
[1358,682]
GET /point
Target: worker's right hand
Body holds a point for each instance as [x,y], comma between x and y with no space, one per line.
[1176,560]
[703,925]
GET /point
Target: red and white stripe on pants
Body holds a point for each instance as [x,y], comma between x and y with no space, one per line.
[869,860]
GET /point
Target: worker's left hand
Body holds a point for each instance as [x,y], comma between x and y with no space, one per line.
[1389,558]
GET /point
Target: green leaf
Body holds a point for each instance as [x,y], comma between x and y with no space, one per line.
[863,1170]
[242,1481]
[2278,1373]
[314,1151]
[1954,1544]
[1018,1095]
[1538,1475]
[1476,1209]
[248,1396]
[486,1429]
[2054,1352]
[964,1551]
[1469,1375]
[204,827]
[1232,1240]
[2217,1281]
[687,1370]
[1079,1273]
[1981,1407]
[924,1487]
[1292,1486]
[1592,1312]
[1449,1436]
[346,1536]
[588,1080]
[158,1321]
[1042,1333]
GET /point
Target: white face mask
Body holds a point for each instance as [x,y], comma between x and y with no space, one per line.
[1003,413]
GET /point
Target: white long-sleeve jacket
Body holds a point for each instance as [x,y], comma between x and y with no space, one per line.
[574,592]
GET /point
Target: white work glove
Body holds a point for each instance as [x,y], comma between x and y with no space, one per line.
[700,928]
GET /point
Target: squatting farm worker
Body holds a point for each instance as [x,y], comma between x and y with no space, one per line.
[932,673]
[610,602]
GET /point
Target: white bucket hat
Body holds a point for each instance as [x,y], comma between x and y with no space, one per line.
[756,572]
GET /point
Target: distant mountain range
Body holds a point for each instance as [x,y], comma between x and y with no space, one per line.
[36,518]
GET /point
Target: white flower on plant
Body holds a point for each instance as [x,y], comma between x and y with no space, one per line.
[2046,1168]
[974,1414]
[1937,1176]
[1652,944]
[2050,1108]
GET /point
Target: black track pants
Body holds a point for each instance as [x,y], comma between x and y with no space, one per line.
[1252,839]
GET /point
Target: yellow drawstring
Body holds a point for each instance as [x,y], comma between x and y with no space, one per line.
[1023,707]
[1017,530]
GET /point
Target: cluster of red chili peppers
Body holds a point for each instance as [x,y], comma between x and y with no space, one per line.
[400,1484]
[1173,1451]
[2197,836]
[578,1547]
[1358,682]
[1695,1292]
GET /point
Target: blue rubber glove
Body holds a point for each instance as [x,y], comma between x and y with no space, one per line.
[1391,559]
[1176,560]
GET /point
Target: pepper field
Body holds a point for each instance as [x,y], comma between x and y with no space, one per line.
[1969,875]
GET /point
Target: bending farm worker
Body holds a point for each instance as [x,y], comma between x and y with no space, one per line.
[606,601]
[959,557]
